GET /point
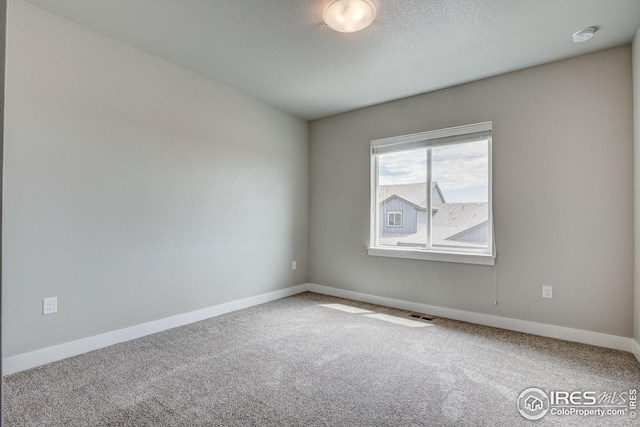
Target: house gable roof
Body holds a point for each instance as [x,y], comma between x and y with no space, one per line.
[468,230]
[409,202]
[454,219]
[415,194]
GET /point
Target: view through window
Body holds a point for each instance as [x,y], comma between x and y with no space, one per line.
[432,191]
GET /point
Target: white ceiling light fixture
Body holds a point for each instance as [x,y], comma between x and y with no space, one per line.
[349,16]
[584,35]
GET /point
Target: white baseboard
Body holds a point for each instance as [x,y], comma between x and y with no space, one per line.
[559,332]
[32,359]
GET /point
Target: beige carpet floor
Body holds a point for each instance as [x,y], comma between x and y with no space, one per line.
[313,360]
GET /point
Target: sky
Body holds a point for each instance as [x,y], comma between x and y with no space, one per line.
[461,170]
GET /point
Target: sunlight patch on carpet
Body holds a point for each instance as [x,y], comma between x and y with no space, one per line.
[397,320]
[346,308]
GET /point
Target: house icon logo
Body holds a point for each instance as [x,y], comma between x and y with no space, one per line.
[533,403]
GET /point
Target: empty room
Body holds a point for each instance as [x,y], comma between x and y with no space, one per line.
[320,212]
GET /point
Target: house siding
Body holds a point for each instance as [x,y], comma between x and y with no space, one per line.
[409,216]
[479,234]
[437,199]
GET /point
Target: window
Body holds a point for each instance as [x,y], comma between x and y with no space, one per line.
[394,219]
[431,195]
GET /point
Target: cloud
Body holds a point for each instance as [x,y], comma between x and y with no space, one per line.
[403,167]
[455,167]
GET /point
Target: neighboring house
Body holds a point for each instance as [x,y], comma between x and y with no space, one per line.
[403,210]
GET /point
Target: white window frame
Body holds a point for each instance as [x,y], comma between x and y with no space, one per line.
[482,256]
[389,213]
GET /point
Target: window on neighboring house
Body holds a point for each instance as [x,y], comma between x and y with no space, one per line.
[394,219]
[440,181]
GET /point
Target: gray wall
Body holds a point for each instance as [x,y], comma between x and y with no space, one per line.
[3,22]
[562,133]
[636,146]
[136,190]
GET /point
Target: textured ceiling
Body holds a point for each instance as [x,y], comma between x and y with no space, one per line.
[280,51]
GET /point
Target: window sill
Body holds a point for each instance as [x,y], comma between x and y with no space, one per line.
[479,259]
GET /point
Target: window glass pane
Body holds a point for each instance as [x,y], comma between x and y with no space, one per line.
[460,173]
[402,188]
[432,191]
[393,218]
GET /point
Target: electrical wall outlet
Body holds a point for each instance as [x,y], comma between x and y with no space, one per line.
[547,292]
[49,305]
[293,265]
